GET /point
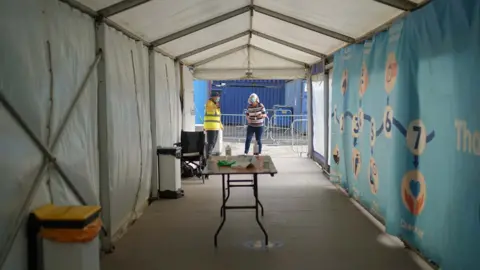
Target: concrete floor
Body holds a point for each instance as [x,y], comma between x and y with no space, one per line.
[319,228]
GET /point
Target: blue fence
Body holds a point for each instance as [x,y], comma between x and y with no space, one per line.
[296,97]
[406,129]
[200,96]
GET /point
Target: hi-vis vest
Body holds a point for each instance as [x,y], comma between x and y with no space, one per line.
[212,116]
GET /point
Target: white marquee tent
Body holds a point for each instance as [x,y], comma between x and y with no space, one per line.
[88,88]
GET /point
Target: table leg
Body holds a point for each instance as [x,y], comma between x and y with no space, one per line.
[260,203]
[255,193]
[228,195]
[261,206]
[223,210]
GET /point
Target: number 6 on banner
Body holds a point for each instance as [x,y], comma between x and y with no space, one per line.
[388,121]
[342,124]
[373,132]
[416,137]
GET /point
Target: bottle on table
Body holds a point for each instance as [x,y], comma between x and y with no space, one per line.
[228,151]
[255,148]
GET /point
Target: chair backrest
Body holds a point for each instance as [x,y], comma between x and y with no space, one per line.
[193,141]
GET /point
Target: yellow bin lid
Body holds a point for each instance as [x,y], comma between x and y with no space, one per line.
[74,217]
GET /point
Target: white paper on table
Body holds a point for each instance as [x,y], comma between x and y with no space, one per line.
[243,164]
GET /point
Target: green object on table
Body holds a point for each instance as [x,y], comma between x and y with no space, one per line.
[226,163]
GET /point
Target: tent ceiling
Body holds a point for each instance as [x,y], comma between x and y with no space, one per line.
[249,35]
[216,50]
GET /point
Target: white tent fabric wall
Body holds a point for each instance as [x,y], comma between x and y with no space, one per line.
[25,80]
[318,114]
[188,103]
[168,111]
[129,134]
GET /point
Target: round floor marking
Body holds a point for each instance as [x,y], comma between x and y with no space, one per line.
[260,244]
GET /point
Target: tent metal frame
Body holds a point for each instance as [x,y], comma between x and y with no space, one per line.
[404,5]
[126,5]
[278,56]
[219,55]
[102,21]
[212,45]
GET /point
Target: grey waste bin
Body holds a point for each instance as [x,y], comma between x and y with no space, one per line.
[170,184]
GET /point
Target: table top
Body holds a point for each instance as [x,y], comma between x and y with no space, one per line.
[263,165]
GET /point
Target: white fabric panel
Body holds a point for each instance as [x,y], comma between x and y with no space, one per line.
[25,81]
[318,116]
[188,103]
[143,113]
[159,18]
[19,163]
[208,35]
[72,40]
[353,18]
[236,74]
[128,127]
[216,50]
[168,110]
[295,34]
[262,60]
[283,50]
[98,4]
[238,59]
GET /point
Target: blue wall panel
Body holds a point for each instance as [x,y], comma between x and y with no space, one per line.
[406,129]
[295,96]
[234,98]
[200,96]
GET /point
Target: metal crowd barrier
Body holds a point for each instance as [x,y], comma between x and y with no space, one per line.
[299,139]
[279,129]
[235,128]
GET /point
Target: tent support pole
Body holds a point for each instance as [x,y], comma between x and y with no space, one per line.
[102,122]
[326,114]
[310,112]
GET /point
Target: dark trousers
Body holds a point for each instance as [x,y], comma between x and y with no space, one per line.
[212,136]
[258,131]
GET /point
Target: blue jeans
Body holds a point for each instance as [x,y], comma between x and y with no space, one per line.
[258,131]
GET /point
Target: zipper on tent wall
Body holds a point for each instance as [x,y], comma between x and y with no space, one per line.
[50,115]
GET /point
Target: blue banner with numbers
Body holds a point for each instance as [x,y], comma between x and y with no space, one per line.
[406,129]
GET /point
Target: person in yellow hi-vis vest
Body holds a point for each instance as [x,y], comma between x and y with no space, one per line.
[212,121]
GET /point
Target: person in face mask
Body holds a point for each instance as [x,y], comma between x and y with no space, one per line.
[256,114]
[212,122]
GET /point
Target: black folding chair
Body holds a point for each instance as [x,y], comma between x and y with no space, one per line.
[193,159]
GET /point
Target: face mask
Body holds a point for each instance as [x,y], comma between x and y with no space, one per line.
[217,99]
[253,99]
